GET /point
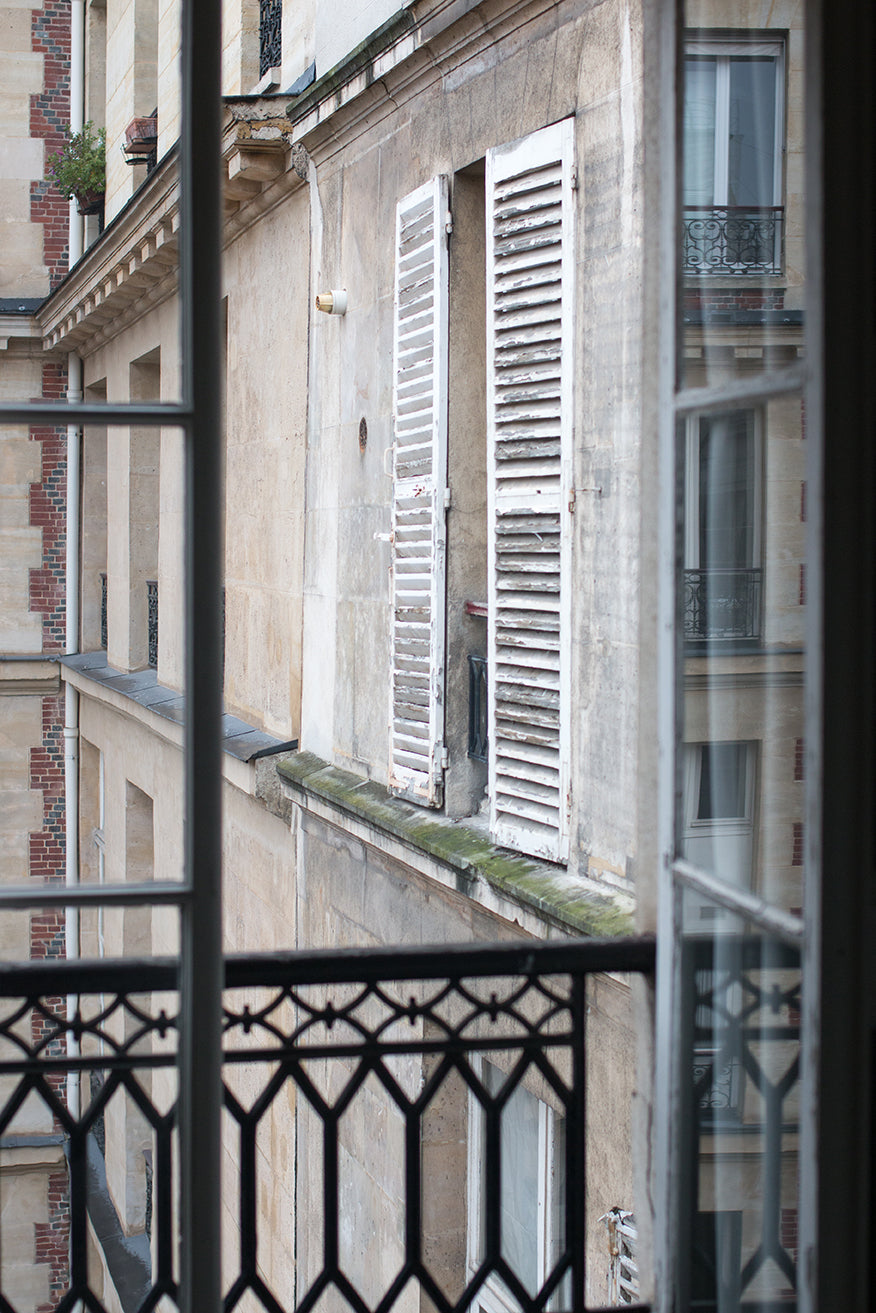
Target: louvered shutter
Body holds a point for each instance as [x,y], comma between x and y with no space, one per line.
[419,483]
[530,265]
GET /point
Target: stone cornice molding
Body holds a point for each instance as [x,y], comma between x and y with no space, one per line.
[266,146]
[130,269]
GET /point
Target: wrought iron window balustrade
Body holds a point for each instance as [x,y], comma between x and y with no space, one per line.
[103,613]
[722,604]
[744,1000]
[270,35]
[152,621]
[338,1040]
[732,239]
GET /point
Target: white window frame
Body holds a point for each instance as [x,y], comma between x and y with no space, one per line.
[493,1296]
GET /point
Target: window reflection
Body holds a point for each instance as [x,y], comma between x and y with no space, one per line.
[742,603]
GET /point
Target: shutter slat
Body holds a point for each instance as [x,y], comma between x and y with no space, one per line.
[419,477]
[530,270]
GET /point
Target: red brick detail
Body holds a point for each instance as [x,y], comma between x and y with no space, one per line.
[48,513]
[49,115]
[799,759]
[733,298]
[803,501]
[52,1240]
[788,1232]
[802,589]
[797,844]
[47,846]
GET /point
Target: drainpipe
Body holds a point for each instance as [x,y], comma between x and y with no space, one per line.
[71,566]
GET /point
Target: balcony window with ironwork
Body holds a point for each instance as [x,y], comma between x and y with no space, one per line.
[733,136]
[152,600]
[722,574]
[270,35]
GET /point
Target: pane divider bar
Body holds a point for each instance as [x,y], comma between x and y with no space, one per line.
[173,413]
[773,383]
[770,918]
[152,893]
[201,964]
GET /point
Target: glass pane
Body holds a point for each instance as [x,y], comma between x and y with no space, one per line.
[740,1191]
[699,130]
[751,130]
[743,599]
[741,226]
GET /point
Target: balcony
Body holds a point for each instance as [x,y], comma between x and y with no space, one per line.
[732,240]
[353,1063]
[722,605]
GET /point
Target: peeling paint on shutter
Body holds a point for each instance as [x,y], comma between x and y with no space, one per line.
[419,481]
[530,265]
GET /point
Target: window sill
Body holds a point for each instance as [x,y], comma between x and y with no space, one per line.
[476,867]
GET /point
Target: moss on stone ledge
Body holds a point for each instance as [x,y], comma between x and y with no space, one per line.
[547,889]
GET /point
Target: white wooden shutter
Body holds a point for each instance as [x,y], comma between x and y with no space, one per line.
[419,484]
[530,292]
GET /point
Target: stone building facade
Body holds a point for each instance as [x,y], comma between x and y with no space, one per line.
[35,100]
[437,521]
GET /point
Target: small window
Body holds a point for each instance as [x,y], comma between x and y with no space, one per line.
[533,1193]
[723,573]
[733,137]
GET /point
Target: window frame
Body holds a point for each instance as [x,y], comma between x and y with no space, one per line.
[492,1296]
[724,49]
[677,405]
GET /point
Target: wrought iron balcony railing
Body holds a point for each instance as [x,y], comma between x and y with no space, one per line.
[270,35]
[732,239]
[744,1112]
[348,1075]
[103,604]
[722,605]
[152,621]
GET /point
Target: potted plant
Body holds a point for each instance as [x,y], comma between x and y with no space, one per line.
[79,169]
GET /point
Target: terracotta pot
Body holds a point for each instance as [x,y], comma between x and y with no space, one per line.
[89,202]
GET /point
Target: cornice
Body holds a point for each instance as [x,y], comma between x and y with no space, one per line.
[266,146]
[129,269]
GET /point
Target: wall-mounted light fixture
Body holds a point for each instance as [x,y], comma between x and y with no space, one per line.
[334,302]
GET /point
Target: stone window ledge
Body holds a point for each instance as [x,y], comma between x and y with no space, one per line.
[476,867]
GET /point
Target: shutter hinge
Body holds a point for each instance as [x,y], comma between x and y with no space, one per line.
[443,757]
[448,498]
[448,223]
[574,177]
[572,500]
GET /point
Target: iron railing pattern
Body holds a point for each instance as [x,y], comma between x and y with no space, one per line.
[270,35]
[744,1000]
[477,708]
[731,240]
[103,612]
[722,604]
[152,622]
[314,1032]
